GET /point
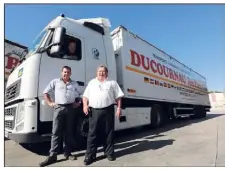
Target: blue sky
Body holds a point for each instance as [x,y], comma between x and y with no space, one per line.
[193,34]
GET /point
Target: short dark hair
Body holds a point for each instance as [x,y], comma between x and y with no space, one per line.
[72,41]
[66,67]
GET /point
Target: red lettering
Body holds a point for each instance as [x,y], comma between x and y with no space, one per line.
[165,72]
[195,84]
[159,68]
[171,74]
[11,62]
[184,79]
[175,75]
[143,62]
[190,83]
[154,69]
[140,60]
[135,58]
[180,78]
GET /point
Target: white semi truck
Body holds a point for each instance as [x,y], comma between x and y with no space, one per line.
[157,87]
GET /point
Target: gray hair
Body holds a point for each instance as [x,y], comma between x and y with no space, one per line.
[103,66]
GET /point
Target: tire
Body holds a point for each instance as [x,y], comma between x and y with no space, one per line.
[81,132]
[199,112]
[157,116]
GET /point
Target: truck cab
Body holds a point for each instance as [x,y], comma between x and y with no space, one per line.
[28,118]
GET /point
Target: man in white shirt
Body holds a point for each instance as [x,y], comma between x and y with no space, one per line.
[99,98]
[71,51]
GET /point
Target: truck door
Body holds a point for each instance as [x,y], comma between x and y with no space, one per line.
[95,52]
[91,53]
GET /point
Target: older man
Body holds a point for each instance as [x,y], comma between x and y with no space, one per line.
[99,98]
[66,91]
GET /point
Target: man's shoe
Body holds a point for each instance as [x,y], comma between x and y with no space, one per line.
[48,161]
[111,157]
[88,161]
[70,157]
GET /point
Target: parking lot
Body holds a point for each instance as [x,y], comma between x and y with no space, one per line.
[185,142]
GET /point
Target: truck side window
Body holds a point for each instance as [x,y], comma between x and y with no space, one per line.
[72,48]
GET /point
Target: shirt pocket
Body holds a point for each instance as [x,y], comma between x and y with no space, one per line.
[70,88]
[106,88]
[60,87]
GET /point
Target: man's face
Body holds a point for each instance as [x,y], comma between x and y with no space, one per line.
[72,48]
[101,73]
[66,73]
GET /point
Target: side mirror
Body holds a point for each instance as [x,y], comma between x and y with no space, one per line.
[57,41]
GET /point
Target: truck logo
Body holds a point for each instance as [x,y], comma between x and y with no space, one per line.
[95,53]
[20,73]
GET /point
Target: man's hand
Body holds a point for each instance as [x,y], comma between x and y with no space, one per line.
[52,104]
[49,101]
[118,113]
[76,104]
[85,109]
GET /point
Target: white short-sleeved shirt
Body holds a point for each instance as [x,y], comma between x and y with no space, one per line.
[102,94]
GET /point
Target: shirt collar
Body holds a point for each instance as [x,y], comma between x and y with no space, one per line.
[70,80]
[102,81]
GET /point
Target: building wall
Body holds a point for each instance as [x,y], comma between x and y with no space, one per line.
[13,52]
[217,100]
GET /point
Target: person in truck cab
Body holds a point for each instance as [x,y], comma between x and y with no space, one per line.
[71,54]
[66,92]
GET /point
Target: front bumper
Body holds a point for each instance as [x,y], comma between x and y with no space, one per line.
[26,137]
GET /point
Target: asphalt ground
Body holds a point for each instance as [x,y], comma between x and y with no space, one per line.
[186,142]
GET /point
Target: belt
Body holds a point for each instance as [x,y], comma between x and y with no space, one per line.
[103,108]
[66,105]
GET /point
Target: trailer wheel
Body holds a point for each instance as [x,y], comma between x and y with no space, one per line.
[81,132]
[156,116]
[199,112]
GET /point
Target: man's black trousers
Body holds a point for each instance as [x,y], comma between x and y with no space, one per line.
[101,127]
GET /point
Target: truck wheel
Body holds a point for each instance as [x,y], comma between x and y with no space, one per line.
[81,132]
[199,112]
[156,116]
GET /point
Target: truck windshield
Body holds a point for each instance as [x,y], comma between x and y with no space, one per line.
[33,48]
[36,43]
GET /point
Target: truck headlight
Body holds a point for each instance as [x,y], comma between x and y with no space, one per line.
[20,112]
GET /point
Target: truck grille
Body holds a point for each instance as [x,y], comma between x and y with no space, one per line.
[13,91]
[9,124]
[10,111]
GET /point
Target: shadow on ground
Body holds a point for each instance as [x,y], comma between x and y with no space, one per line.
[134,140]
